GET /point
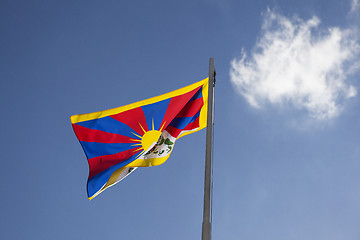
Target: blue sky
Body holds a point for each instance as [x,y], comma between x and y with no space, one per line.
[287,154]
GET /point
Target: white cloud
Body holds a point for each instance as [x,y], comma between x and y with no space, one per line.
[296,63]
[354,6]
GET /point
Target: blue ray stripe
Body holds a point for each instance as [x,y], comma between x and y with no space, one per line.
[95,183]
[110,125]
[181,123]
[96,149]
[155,111]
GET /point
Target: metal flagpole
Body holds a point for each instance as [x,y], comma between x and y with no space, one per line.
[207,218]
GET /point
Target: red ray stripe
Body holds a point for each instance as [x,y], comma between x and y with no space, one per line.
[133,118]
[175,131]
[101,163]
[193,125]
[176,105]
[92,135]
[191,108]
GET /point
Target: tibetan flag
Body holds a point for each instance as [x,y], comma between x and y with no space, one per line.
[141,134]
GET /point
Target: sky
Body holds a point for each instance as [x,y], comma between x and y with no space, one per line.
[287,129]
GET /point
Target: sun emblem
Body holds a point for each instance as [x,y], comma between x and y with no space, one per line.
[148,140]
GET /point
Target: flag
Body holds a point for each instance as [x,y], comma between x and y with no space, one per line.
[141,134]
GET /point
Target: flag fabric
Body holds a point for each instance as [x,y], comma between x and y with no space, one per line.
[141,134]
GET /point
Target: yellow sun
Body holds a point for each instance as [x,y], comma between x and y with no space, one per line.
[148,139]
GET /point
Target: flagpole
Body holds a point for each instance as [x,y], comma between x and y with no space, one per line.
[207,215]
